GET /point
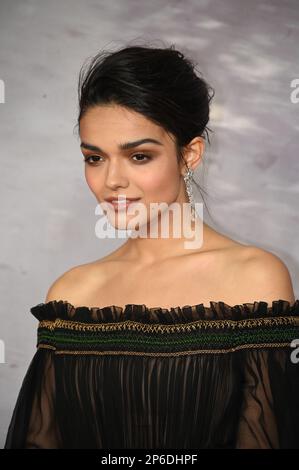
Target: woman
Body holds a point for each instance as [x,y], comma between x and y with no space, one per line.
[159,345]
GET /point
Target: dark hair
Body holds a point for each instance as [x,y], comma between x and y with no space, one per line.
[159,83]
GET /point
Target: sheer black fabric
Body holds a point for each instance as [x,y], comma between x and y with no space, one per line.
[186,377]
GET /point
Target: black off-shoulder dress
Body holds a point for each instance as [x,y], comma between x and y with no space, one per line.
[141,377]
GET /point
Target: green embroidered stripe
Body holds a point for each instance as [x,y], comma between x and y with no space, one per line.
[64,338]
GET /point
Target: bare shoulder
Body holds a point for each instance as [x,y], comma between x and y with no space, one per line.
[71,284]
[265,276]
[64,284]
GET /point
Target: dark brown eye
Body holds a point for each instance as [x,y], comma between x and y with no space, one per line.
[87,159]
[141,155]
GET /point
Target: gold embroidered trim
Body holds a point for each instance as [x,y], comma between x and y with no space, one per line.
[169,328]
[175,353]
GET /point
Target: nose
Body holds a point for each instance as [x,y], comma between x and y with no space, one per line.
[115,176]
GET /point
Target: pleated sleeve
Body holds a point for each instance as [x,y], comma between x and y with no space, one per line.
[33,423]
[270,404]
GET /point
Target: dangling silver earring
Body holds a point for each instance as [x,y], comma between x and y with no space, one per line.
[188,177]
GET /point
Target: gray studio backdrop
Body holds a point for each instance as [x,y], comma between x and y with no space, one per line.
[248,51]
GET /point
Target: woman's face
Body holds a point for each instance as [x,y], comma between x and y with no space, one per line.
[149,171]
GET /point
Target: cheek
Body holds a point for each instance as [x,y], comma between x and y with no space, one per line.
[93,180]
[162,184]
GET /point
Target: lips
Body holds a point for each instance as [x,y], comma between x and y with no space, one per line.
[121,198]
[121,204]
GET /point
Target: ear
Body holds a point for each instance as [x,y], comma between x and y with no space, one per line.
[193,154]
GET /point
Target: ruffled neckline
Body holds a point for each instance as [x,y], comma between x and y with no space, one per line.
[217,310]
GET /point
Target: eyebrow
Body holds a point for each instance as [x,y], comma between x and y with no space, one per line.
[124,146]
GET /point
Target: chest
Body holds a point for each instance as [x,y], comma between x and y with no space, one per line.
[185,282]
